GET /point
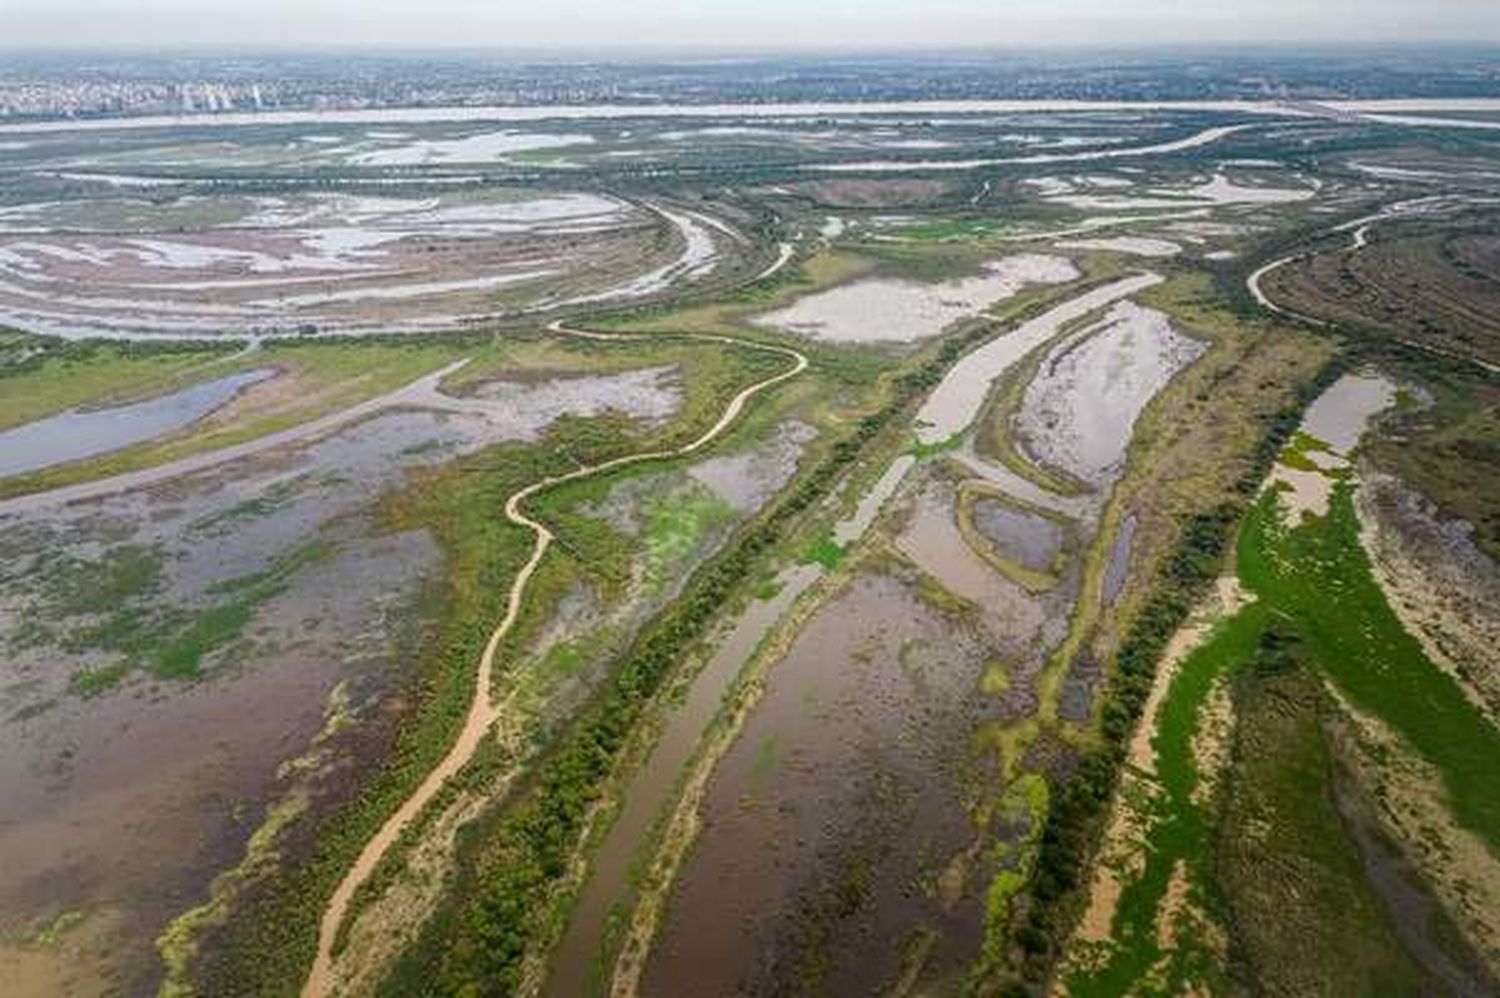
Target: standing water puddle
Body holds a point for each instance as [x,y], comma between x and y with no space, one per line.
[888,309]
[1338,419]
[651,786]
[77,434]
[1028,538]
[1119,561]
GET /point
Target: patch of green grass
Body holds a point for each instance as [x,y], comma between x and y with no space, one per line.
[824,551]
[1295,453]
[561,659]
[1318,574]
[675,526]
[768,590]
[51,933]
[946,229]
[1180,830]
[920,450]
[1020,817]
[101,679]
[172,642]
[76,586]
[996,681]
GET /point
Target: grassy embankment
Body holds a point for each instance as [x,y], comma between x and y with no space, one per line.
[1276,866]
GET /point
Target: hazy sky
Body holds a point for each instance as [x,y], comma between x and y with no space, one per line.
[733,24]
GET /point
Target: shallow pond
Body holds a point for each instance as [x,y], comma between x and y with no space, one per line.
[80,433]
[1028,538]
[889,309]
[1340,415]
[650,789]
[845,784]
[1080,411]
[1117,569]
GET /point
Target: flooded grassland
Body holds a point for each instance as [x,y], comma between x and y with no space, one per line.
[951,611]
[261,606]
[808,709]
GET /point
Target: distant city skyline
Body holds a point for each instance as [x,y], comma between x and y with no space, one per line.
[767,25]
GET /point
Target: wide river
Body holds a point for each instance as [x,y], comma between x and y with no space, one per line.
[769,110]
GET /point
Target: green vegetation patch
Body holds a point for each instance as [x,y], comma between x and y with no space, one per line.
[1180,832]
[77,586]
[824,551]
[948,229]
[171,642]
[1305,918]
[101,679]
[1449,450]
[1284,873]
[1318,575]
[675,526]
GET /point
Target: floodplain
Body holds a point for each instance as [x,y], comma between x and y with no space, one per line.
[909,550]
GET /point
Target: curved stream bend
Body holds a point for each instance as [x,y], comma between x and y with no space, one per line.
[483,715]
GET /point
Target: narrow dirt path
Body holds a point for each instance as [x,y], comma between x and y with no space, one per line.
[484,715]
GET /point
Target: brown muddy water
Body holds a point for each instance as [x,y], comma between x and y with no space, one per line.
[828,823]
[578,963]
[932,540]
[117,810]
[1021,627]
